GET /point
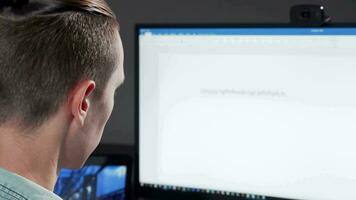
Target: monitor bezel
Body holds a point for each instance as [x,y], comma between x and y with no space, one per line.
[158,193]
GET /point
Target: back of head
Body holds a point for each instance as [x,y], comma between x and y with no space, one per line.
[46,47]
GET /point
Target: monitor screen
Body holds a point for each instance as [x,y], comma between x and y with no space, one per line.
[250,112]
[95,180]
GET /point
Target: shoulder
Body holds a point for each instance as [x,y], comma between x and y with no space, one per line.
[15,187]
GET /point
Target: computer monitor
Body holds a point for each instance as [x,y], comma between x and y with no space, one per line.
[102,177]
[257,112]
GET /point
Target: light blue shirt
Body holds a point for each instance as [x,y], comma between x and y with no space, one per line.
[15,187]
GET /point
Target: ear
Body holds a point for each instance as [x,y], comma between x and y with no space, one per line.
[80,102]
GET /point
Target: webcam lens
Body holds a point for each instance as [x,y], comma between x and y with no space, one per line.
[305,14]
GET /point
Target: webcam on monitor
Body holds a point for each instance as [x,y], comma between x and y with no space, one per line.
[309,15]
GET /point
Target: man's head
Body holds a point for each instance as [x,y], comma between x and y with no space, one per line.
[60,59]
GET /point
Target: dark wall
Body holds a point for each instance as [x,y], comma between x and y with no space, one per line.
[120,128]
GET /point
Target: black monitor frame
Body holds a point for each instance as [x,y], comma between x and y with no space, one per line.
[158,193]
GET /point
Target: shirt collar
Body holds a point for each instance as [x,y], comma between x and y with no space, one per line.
[25,187]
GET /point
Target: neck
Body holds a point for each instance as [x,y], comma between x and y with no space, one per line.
[32,155]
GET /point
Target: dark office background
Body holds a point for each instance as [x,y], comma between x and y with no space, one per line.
[121,127]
